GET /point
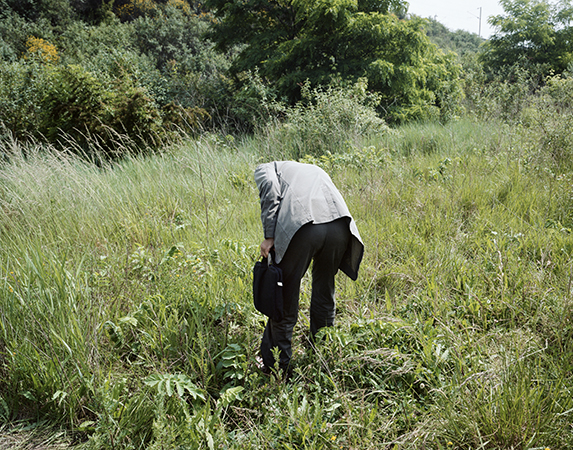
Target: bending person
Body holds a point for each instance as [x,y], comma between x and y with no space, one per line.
[304,219]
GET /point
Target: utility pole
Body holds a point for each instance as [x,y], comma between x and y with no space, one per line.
[480,8]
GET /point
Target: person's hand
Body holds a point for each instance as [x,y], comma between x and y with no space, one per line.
[266,246]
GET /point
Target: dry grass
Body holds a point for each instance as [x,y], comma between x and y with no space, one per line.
[37,439]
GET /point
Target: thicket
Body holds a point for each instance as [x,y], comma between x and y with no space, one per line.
[138,80]
[138,72]
[132,74]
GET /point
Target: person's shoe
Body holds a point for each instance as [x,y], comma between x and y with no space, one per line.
[266,370]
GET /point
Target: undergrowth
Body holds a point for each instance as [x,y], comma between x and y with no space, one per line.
[126,314]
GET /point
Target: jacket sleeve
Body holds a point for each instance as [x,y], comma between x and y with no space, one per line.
[270,195]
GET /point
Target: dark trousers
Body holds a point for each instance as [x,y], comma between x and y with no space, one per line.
[325,245]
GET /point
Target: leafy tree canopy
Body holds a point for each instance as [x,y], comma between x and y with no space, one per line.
[531,33]
[57,12]
[291,41]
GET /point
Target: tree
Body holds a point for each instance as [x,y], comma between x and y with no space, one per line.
[531,33]
[291,41]
[57,12]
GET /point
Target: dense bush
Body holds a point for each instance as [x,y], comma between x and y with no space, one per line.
[21,94]
[15,31]
[147,68]
[501,97]
[329,119]
[83,82]
[66,102]
[175,38]
[188,71]
[548,121]
[289,44]
[88,45]
[77,105]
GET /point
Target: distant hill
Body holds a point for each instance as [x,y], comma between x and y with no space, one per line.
[459,41]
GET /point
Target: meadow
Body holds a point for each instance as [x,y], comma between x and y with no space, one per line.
[126,316]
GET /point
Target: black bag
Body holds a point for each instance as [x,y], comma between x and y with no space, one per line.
[268,289]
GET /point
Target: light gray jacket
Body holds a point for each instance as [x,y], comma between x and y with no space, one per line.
[294,194]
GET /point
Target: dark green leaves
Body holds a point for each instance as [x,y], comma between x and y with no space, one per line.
[325,41]
[531,32]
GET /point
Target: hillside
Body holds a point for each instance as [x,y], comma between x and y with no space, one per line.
[459,41]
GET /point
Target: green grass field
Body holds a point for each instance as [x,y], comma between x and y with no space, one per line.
[126,316]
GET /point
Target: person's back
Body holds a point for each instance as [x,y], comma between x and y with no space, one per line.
[306,194]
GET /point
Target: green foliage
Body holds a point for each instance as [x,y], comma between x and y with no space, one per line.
[308,41]
[57,12]
[458,41]
[15,31]
[173,40]
[233,365]
[414,78]
[93,46]
[531,33]
[251,103]
[78,105]
[168,384]
[62,102]
[124,416]
[328,119]
[190,74]
[149,77]
[21,95]
[548,121]
[503,97]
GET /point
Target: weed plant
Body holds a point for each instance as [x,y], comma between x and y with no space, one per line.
[126,313]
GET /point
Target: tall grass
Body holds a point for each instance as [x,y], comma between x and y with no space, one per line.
[126,315]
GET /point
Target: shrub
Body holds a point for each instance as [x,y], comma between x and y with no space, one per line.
[132,9]
[85,44]
[174,37]
[16,30]
[327,118]
[502,97]
[548,122]
[42,50]
[184,69]
[20,96]
[80,106]
[252,105]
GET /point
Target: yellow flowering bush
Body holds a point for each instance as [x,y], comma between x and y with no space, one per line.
[41,49]
[136,8]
